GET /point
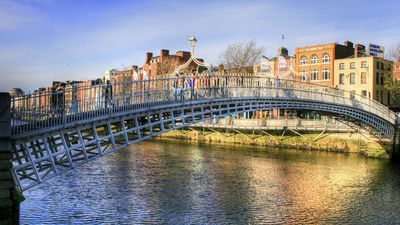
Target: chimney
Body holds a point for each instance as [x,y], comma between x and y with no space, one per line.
[183,54]
[348,44]
[282,51]
[149,55]
[359,50]
[163,54]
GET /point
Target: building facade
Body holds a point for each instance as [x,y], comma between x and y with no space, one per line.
[165,64]
[396,69]
[315,64]
[364,76]
[282,66]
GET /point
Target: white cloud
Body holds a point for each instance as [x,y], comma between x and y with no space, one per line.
[84,45]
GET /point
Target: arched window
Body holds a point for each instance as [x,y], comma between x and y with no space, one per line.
[303,75]
[303,60]
[326,58]
[314,74]
[326,73]
[314,59]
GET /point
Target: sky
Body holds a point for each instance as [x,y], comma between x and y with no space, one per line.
[46,40]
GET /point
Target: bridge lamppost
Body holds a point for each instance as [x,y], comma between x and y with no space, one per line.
[192,42]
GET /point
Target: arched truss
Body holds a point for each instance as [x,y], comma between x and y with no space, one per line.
[50,139]
[44,155]
[187,63]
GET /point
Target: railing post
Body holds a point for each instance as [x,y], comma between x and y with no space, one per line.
[9,196]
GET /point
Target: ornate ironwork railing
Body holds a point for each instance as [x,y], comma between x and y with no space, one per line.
[48,108]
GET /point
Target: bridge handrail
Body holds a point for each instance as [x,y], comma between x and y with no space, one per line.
[68,104]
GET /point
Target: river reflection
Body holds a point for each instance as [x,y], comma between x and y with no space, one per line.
[166,182]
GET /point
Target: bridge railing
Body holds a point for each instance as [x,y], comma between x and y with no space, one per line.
[51,107]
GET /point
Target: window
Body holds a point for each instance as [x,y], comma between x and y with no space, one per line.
[382,66]
[303,75]
[326,58]
[382,79]
[377,78]
[303,60]
[377,95]
[377,65]
[352,65]
[352,78]
[314,59]
[381,97]
[363,77]
[341,78]
[314,74]
[341,66]
[326,73]
[364,93]
[364,64]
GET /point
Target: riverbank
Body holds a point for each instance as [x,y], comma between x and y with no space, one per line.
[302,140]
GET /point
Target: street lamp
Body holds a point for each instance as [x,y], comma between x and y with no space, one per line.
[192,43]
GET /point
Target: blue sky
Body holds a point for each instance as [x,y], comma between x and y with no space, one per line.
[46,40]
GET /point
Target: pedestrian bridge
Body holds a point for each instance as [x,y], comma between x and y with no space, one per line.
[56,130]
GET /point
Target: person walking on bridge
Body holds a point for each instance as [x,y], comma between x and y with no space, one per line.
[107,94]
[192,81]
[176,87]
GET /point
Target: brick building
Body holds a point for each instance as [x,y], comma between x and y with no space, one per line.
[316,63]
[165,64]
[396,70]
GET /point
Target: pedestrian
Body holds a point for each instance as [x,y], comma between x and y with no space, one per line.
[176,87]
[192,81]
[107,94]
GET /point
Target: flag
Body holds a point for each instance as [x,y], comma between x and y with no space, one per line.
[264,64]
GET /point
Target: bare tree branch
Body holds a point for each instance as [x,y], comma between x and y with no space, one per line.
[241,55]
[394,52]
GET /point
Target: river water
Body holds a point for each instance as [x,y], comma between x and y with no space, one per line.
[165,182]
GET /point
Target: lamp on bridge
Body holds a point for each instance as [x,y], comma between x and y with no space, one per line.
[192,43]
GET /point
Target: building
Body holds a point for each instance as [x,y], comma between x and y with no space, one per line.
[16,92]
[282,66]
[119,76]
[315,63]
[396,69]
[165,64]
[364,76]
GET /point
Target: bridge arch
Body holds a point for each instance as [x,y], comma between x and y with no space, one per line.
[42,151]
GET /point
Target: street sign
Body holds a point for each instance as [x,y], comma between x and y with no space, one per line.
[376,50]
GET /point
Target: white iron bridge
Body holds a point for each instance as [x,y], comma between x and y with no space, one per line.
[57,129]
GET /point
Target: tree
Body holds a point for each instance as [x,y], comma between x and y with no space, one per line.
[391,83]
[167,66]
[394,52]
[241,55]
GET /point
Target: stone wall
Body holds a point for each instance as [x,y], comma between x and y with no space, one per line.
[306,140]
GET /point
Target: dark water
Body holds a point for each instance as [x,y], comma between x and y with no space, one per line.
[179,183]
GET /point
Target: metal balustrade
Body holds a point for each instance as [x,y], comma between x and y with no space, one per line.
[56,130]
[51,108]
